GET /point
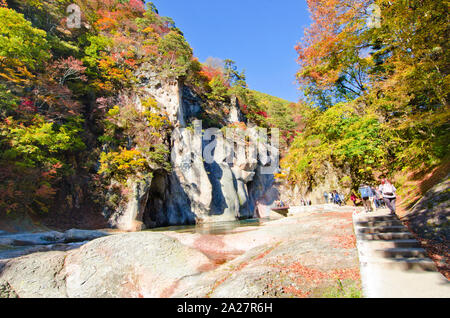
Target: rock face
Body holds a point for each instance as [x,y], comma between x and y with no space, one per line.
[333,179]
[197,191]
[129,217]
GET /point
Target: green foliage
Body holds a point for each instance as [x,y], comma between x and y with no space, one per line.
[8,101]
[122,164]
[98,47]
[145,129]
[219,91]
[40,144]
[20,42]
[176,54]
[342,135]
[341,290]
[33,158]
[235,78]
[280,115]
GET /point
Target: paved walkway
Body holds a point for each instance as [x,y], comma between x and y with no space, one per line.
[392,262]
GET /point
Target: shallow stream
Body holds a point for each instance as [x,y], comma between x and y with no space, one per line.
[218,228]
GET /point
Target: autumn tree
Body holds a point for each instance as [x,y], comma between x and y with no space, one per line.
[392,76]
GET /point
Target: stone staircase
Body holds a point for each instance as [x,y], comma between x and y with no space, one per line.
[393,264]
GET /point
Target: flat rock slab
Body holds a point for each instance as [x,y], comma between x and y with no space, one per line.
[305,255]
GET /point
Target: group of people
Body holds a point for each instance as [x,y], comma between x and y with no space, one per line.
[375,198]
[334,197]
[305,201]
[280,204]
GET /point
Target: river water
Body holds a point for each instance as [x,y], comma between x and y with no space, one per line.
[218,228]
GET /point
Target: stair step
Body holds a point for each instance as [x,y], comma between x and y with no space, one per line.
[388,236]
[406,243]
[418,264]
[382,229]
[379,223]
[403,252]
[368,218]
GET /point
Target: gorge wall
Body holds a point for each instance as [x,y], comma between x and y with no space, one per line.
[332,178]
[195,191]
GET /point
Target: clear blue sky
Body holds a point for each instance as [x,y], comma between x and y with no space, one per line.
[259,35]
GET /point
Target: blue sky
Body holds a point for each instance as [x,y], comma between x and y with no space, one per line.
[259,35]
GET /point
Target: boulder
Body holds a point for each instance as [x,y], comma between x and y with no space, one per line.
[141,264]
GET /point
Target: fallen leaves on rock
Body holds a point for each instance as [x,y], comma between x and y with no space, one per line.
[344,241]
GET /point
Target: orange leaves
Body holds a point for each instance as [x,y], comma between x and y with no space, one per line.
[307,273]
[116,73]
[322,51]
[210,72]
[345,241]
[346,273]
[297,292]
[15,71]
[130,62]
[106,24]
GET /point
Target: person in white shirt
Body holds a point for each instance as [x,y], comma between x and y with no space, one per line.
[388,190]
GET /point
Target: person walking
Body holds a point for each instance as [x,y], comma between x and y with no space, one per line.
[342,198]
[353,198]
[337,198]
[388,191]
[365,192]
[325,195]
[378,198]
[372,198]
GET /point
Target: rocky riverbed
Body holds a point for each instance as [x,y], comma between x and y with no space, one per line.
[310,253]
